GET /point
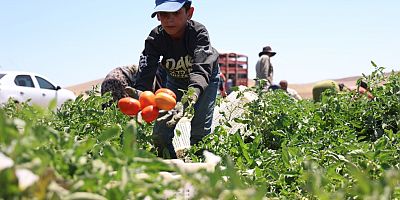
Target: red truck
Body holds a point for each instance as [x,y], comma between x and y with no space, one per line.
[235,68]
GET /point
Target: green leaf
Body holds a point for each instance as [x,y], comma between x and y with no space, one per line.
[110,133]
[285,157]
[129,139]
[84,196]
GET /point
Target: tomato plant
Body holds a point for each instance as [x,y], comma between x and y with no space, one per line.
[338,148]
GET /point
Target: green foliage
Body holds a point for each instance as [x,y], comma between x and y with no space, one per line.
[85,151]
[345,146]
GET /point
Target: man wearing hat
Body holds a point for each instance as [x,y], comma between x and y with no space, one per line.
[264,68]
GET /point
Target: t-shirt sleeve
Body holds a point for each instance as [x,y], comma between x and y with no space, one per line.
[205,57]
[148,64]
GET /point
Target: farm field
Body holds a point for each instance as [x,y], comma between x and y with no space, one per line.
[346,146]
[304,89]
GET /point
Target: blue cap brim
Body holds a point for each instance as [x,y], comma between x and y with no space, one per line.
[167,7]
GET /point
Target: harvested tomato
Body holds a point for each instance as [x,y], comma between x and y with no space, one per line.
[129,106]
[149,113]
[146,98]
[166,90]
[165,101]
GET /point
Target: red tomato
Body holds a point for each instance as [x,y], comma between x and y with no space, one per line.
[146,98]
[165,101]
[166,90]
[129,106]
[149,113]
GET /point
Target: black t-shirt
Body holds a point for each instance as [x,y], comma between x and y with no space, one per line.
[188,62]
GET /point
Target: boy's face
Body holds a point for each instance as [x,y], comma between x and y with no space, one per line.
[174,23]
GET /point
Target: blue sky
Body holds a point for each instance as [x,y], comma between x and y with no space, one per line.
[75,41]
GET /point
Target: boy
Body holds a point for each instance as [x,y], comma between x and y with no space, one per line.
[190,62]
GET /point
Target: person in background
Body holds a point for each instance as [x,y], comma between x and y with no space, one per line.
[191,63]
[274,87]
[362,88]
[116,81]
[364,85]
[264,68]
[222,88]
[342,87]
[292,92]
[121,77]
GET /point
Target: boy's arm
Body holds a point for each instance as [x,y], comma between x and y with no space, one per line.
[148,65]
[205,57]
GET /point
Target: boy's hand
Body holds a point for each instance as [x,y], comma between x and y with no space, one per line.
[172,117]
[190,96]
[132,92]
[193,98]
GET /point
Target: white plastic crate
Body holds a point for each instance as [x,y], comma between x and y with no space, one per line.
[232,107]
[187,191]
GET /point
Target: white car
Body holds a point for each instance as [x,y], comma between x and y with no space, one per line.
[22,86]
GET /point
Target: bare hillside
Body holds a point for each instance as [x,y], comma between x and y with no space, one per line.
[83,87]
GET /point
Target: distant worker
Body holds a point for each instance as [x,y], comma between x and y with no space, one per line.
[322,86]
[116,81]
[342,87]
[222,88]
[362,88]
[292,92]
[274,87]
[264,68]
[364,85]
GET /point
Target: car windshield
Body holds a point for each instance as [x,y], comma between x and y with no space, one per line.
[1,75]
[44,84]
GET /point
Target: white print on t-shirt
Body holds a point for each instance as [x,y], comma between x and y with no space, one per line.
[179,68]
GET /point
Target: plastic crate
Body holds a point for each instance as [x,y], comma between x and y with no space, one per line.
[232,107]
